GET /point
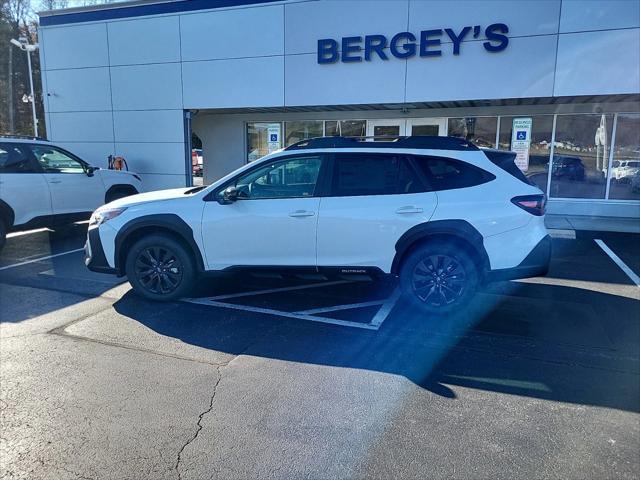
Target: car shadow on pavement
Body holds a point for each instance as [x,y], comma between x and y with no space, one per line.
[532,340]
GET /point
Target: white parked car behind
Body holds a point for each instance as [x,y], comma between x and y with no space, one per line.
[43,185]
[624,170]
[437,212]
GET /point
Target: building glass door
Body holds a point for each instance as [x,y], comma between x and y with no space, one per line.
[410,126]
[426,126]
[385,128]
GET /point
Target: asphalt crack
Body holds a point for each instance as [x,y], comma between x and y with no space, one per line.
[198,424]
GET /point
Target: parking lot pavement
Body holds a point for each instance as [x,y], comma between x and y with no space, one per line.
[251,379]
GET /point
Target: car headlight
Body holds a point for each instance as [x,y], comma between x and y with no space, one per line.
[102,215]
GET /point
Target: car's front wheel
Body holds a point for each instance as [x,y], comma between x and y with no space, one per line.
[160,268]
[439,278]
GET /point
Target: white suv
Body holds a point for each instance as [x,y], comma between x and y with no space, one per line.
[42,185]
[438,212]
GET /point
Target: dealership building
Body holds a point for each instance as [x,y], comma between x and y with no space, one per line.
[557,81]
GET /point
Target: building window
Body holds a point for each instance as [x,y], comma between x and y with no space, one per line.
[263,138]
[345,128]
[625,169]
[296,131]
[581,155]
[537,169]
[481,131]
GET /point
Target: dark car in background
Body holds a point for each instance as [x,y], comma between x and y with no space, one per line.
[568,167]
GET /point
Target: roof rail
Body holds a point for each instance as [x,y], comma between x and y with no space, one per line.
[23,137]
[418,142]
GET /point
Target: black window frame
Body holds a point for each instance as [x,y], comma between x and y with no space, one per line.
[85,165]
[37,168]
[488,176]
[320,182]
[334,158]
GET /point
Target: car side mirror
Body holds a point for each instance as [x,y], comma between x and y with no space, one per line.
[229,195]
[90,171]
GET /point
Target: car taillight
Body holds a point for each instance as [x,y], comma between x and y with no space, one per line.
[534,204]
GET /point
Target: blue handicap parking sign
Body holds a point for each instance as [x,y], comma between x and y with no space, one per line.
[274,137]
[521,135]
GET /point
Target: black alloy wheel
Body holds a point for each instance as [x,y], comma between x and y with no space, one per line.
[160,267]
[439,280]
[439,277]
[158,270]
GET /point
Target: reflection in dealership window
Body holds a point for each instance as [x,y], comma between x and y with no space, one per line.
[539,148]
[481,131]
[296,131]
[263,138]
[625,169]
[345,128]
[581,154]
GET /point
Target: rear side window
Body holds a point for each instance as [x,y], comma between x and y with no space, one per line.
[448,174]
[506,161]
[16,158]
[356,174]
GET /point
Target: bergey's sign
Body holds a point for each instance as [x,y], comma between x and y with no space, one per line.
[405,44]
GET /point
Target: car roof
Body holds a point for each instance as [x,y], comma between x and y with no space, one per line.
[22,139]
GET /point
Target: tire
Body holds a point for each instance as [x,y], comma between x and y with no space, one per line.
[159,281]
[117,194]
[3,234]
[439,278]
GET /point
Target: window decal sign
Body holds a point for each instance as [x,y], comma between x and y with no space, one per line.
[428,43]
[521,141]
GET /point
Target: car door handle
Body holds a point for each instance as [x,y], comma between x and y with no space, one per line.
[409,209]
[55,181]
[302,213]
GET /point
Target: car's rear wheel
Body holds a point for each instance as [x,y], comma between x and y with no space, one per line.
[160,268]
[439,278]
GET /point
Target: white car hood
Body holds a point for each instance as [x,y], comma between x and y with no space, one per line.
[155,196]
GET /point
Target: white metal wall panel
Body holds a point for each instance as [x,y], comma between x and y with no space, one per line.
[524,17]
[151,182]
[79,90]
[151,40]
[245,82]
[597,63]
[377,81]
[95,153]
[524,69]
[147,87]
[243,32]
[81,127]
[583,15]
[75,46]
[149,126]
[308,22]
[157,158]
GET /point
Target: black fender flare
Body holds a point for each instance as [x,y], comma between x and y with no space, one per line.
[456,228]
[7,214]
[166,221]
[122,187]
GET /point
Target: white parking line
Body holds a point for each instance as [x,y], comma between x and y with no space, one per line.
[281,313]
[623,266]
[41,259]
[276,290]
[374,324]
[26,232]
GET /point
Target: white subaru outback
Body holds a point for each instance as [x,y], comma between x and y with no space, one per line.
[439,213]
[43,185]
